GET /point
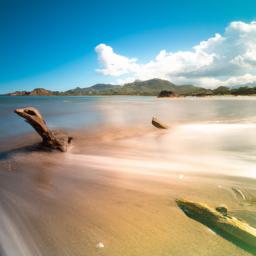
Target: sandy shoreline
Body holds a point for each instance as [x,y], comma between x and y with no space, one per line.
[108,189]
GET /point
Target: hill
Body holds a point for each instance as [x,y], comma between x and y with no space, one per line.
[97,89]
[35,92]
[151,87]
[41,92]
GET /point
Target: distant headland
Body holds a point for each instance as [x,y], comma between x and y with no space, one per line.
[152,87]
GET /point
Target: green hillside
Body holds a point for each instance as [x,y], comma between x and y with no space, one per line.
[150,87]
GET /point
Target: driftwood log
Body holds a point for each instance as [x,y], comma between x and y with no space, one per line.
[50,139]
[158,124]
[229,227]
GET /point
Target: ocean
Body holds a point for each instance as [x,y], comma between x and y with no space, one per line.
[88,111]
[114,191]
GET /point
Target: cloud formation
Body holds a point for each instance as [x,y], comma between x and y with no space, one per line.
[228,59]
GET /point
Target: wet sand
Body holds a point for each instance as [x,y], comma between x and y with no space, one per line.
[118,188]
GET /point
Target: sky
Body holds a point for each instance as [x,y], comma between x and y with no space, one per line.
[60,45]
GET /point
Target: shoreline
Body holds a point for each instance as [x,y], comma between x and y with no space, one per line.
[106,190]
[118,182]
[127,95]
[112,140]
[118,186]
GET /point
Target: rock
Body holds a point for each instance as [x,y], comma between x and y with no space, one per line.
[222,209]
[50,139]
[231,228]
[158,124]
[166,94]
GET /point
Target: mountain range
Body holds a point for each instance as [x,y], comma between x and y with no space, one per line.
[152,87]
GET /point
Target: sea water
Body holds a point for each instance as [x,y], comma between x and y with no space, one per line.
[117,184]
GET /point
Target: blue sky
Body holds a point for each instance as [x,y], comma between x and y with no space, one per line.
[51,44]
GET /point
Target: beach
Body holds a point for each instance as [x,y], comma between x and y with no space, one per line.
[113,192]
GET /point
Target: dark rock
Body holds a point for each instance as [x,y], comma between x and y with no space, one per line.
[165,93]
[158,124]
[223,210]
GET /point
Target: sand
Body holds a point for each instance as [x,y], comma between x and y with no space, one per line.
[117,189]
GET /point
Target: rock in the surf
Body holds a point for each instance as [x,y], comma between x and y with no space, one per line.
[158,124]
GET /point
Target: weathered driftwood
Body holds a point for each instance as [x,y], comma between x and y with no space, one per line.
[231,228]
[158,124]
[50,139]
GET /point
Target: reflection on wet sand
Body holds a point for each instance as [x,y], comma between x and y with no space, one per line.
[118,188]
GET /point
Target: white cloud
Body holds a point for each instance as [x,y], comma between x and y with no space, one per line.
[228,59]
[114,64]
